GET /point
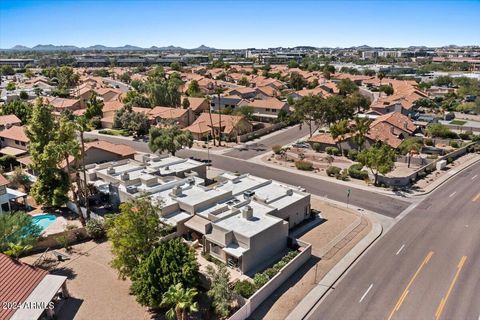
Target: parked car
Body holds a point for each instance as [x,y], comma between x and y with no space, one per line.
[303,145]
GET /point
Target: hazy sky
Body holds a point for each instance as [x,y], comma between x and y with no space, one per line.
[239,24]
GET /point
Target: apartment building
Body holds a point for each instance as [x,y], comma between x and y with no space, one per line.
[242,220]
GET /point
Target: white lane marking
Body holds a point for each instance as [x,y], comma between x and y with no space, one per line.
[452,194]
[473,178]
[366,292]
[400,250]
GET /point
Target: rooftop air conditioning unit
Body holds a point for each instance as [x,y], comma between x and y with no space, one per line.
[125,176]
[111,170]
[247,212]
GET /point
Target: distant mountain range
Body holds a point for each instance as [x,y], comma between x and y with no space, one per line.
[99,47]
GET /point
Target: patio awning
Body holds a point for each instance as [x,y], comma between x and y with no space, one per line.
[25,160]
[198,224]
[11,151]
[41,295]
[234,250]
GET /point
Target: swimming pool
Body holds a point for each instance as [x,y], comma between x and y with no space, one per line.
[44,220]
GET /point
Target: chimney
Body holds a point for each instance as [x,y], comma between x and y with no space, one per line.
[111,170]
[247,212]
[405,125]
[125,176]
[392,130]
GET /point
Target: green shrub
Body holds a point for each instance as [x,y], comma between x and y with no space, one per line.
[476,137]
[260,279]
[317,147]
[465,135]
[454,144]
[352,154]
[277,149]
[304,165]
[333,171]
[343,175]
[332,151]
[449,160]
[96,228]
[429,142]
[355,171]
[245,288]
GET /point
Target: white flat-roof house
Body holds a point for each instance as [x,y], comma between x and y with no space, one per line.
[242,220]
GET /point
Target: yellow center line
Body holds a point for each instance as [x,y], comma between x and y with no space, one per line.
[477,197]
[443,302]
[405,292]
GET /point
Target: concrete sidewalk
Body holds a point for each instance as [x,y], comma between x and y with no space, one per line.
[327,282]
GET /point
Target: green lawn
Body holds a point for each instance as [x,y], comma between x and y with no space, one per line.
[458,122]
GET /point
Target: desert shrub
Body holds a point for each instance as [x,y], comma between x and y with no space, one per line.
[343,175]
[449,160]
[260,279]
[454,144]
[352,154]
[467,135]
[355,171]
[316,146]
[332,151]
[245,288]
[304,165]
[277,149]
[333,171]
[476,137]
[429,142]
[95,228]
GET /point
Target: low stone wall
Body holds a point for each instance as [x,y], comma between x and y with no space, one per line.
[407,180]
[50,242]
[260,132]
[264,292]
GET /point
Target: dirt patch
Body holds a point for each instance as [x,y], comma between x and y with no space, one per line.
[96,291]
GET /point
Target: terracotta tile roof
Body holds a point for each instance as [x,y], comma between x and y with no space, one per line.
[397,120]
[203,124]
[314,92]
[271,103]
[62,103]
[3,182]
[195,103]
[325,138]
[167,113]
[112,105]
[120,149]
[17,281]
[268,91]
[9,119]
[15,133]
[383,132]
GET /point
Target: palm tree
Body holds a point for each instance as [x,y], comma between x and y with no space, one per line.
[362,126]
[82,126]
[339,129]
[181,301]
[211,120]
[218,91]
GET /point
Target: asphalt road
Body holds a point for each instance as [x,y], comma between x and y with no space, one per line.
[265,145]
[426,267]
[378,203]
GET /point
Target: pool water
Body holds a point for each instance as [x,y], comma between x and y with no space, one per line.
[44,220]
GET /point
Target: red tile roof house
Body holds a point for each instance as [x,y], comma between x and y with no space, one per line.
[37,292]
[9,120]
[390,128]
[14,141]
[267,109]
[180,116]
[231,126]
[198,105]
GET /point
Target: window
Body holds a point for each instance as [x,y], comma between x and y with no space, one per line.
[23,143]
[17,142]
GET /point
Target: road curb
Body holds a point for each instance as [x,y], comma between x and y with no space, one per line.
[448,178]
[305,306]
